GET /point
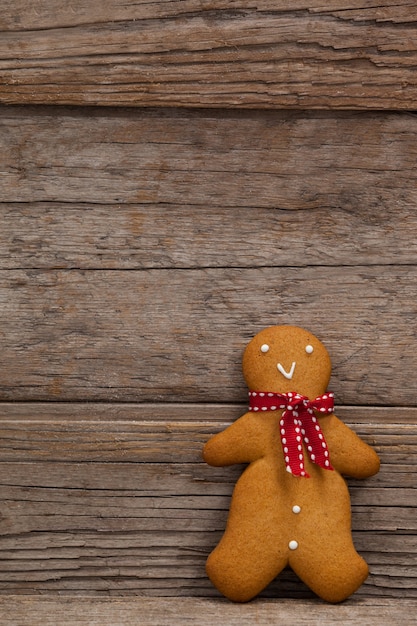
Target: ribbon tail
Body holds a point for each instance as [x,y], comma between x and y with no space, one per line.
[291,440]
[315,442]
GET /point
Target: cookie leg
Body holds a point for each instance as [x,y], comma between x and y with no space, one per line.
[333,572]
[242,568]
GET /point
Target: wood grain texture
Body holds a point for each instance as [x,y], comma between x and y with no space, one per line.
[151,433]
[64,235]
[174,335]
[35,611]
[221,53]
[140,248]
[125,506]
[219,209]
[151,189]
[171,413]
[285,160]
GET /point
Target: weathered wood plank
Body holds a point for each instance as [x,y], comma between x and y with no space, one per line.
[112,518]
[173,439]
[35,611]
[178,571]
[135,189]
[172,413]
[87,236]
[130,556]
[177,335]
[163,433]
[17,15]
[220,53]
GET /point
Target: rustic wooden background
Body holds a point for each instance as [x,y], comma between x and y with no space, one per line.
[175,176]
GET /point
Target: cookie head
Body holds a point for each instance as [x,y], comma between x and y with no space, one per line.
[280,359]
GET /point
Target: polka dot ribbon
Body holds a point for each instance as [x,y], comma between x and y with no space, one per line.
[298,423]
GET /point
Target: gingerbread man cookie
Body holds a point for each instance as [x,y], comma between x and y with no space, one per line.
[291,505]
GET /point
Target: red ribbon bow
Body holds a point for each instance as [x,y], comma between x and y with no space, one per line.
[298,423]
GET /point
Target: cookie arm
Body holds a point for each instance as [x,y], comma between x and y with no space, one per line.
[238,443]
[349,455]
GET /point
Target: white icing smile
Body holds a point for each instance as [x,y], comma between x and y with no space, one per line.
[289,374]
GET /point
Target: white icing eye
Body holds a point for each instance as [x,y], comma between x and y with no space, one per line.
[309,349]
[264,347]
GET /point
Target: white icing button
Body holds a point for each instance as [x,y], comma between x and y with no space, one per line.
[309,349]
[293,545]
[296,509]
[264,347]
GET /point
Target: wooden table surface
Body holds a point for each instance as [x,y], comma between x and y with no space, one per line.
[241,166]
[222,53]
